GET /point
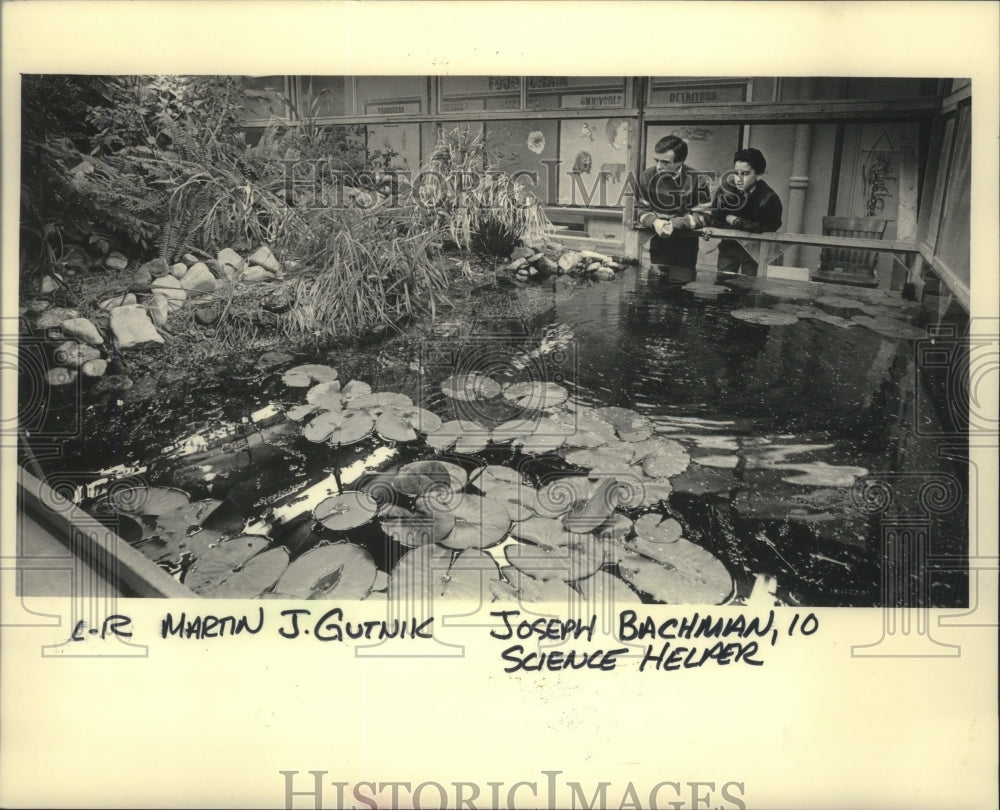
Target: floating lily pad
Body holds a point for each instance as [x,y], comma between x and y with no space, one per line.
[579,558]
[819,474]
[704,288]
[338,571]
[152,501]
[493,475]
[603,589]
[462,435]
[665,459]
[403,425]
[418,577]
[658,529]
[439,474]
[355,389]
[839,302]
[250,580]
[556,497]
[589,515]
[536,395]
[629,425]
[348,510]
[785,291]
[414,529]
[890,328]
[217,563]
[328,392]
[127,528]
[303,376]
[480,521]
[518,586]
[300,412]
[614,457]
[227,516]
[513,429]
[377,404]
[471,576]
[471,387]
[722,462]
[692,576]
[172,543]
[584,428]
[764,317]
[338,427]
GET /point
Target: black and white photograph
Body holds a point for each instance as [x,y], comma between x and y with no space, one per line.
[443,374]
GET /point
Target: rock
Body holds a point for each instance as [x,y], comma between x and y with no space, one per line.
[58,377]
[517,264]
[593,266]
[131,327]
[159,309]
[604,274]
[76,259]
[198,280]
[94,368]
[218,270]
[55,317]
[548,265]
[271,359]
[230,262]
[82,329]
[279,301]
[532,271]
[48,285]
[537,257]
[594,256]
[73,355]
[189,259]
[37,307]
[265,258]
[170,288]
[521,253]
[141,278]
[156,268]
[118,301]
[116,261]
[178,270]
[569,260]
[207,315]
[256,273]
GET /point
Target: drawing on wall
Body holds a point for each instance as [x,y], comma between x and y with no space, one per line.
[593,155]
[536,142]
[876,172]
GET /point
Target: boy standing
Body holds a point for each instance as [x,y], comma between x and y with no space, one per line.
[744,202]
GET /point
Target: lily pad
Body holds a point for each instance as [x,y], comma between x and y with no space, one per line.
[328,392]
[355,389]
[584,428]
[306,375]
[171,544]
[604,589]
[471,576]
[691,576]
[556,497]
[338,427]
[658,529]
[413,529]
[579,558]
[377,404]
[348,510]
[471,387]
[403,425]
[614,457]
[513,429]
[338,571]
[216,564]
[722,462]
[480,521]
[462,435]
[704,288]
[629,425]
[153,501]
[442,474]
[494,475]
[417,577]
[521,587]
[589,515]
[536,395]
[250,580]
[839,302]
[300,412]
[764,317]
[663,458]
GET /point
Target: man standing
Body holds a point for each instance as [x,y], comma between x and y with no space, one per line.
[744,202]
[668,191]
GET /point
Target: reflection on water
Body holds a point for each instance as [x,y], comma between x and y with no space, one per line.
[779,422]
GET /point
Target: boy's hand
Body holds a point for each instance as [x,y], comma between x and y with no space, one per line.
[730,219]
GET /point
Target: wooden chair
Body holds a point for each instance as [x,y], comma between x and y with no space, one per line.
[856,266]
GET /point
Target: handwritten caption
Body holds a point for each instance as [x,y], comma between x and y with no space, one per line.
[696,639]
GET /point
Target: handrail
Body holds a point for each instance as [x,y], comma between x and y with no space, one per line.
[814,239]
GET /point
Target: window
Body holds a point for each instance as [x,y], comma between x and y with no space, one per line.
[267,97]
[391,95]
[325,96]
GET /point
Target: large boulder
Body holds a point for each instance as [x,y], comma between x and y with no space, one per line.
[132,328]
[265,258]
[82,329]
[198,279]
[73,355]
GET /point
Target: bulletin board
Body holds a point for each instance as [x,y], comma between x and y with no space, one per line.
[523,146]
[593,153]
[401,138]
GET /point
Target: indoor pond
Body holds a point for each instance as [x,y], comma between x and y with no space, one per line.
[730,441]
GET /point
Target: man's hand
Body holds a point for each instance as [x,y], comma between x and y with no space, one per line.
[663,227]
[731,220]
